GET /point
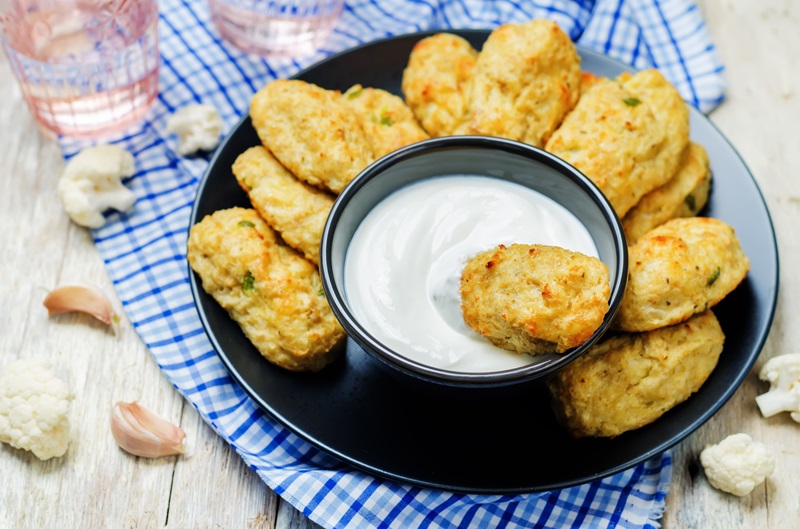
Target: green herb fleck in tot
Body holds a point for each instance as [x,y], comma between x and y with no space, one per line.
[321,291]
[386,120]
[248,283]
[246,224]
[690,202]
[714,277]
[355,93]
[632,101]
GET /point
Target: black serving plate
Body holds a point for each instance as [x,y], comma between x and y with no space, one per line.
[501,440]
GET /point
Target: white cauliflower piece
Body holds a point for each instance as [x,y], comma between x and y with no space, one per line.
[92,183]
[783,374]
[737,464]
[198,128]
[33,409]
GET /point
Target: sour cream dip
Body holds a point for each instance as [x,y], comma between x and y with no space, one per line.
[404,263]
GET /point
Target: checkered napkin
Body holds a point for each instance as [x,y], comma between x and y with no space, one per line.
[145,251]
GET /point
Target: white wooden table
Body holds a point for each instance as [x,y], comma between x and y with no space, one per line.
[98,485]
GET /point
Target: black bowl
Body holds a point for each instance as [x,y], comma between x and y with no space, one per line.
[482,156]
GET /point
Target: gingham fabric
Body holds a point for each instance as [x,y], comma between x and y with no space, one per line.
[145,251]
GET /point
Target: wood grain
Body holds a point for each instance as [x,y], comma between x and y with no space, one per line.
[98,485]
[758,43]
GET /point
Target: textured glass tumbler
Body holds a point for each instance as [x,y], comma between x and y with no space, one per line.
[276,28]
[87,68]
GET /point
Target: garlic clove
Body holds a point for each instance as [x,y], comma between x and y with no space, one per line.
[79,298]
[141,432]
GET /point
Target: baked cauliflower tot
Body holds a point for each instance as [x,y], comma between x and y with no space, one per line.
[535,298]
[527,77]
[436,81]
[679,269]
[684,195]
[630,380]
[311,131]
[293,208]
[387,121]
[273,293]
[627,135]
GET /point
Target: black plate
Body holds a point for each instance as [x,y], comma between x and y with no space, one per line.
[492,441]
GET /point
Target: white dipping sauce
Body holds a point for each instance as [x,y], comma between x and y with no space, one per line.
[403,266]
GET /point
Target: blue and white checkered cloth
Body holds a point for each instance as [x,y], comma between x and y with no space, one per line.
[145,251]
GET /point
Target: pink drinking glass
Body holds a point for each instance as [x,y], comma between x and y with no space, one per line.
[276,28]
[87,68]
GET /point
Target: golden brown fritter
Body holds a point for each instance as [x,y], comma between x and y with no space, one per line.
[535,298]
[630,380]
[670,110]
[683,196]
[678,269]
[627,135]
[528,76]
[267,288]
[436,80]
[311,131]
[387,121]
[293,208]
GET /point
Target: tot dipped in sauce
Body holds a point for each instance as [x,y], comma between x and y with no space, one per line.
[535,298]
[404,263]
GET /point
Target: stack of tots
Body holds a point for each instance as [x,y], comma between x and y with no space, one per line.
[261,264]
[629,135]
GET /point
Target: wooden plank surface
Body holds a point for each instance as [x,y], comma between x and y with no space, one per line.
[98,485]
[758,41]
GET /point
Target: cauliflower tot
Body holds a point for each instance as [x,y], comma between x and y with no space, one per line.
[678,269]
[271,291]
[684,195]
[627,135]
[535,298]
[387,121]
[312,132]
[527,78]
[291,207]
[630,380]
[436,80]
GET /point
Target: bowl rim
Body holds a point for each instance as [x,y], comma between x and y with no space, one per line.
[375,348]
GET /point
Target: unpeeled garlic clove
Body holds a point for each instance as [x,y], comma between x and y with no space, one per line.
[72,298]
[141,432]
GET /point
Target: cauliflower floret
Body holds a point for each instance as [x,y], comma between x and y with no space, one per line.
[783,374]
[198,128]
[737,464]
[91,184]
[33,409]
